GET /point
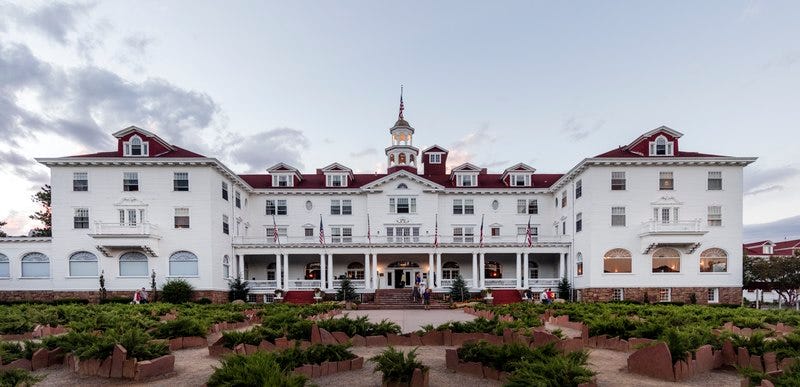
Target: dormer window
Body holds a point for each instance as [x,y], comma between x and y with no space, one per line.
[767,249]
[661,147]
[520,180]
[435,158]
[136,147]
[467,180]
[336,180]
[282,180]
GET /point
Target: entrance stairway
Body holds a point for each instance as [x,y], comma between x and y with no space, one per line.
[506,296]
[400,299]
[299,297]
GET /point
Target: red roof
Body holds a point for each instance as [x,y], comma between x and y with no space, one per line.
[316,181]
[782,248]
[624,152]
[177,153]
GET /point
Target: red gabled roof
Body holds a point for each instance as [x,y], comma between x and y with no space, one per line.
[262,181]
[624,152]
[178,152]
[783,248]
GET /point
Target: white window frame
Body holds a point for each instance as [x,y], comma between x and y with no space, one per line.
[464,234]
[130,181]
[666,181]
[80,181]
[410,202]
[715,216]
[178,178]
[618,294]
[661,141]
[716,178]
[665,295]
[620,213]
[342,234]
[462,206]
[182,212]
[225,193]
[226,228]
[712,295]
[80,260]
[563,198]
[579,264]
[336,180]
[130,255]
[578,189]
[80,218]
[279,207]
[282,180]
[434,158]
[341,207]
[5,267]
[467,180]
[179,259]
[619,181]
[144,147]
[519,180]
[579,222]
[402,234]
[238,199]
[226,267]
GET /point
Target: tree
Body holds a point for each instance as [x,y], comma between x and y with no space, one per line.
[564,288]
[346,292]
[2,233]
[459,292]
[781,274]
[238,289]
[45,216]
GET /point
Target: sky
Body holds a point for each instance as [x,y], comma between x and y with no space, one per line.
[309,83]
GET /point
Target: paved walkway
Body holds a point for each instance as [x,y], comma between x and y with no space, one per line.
[413,320]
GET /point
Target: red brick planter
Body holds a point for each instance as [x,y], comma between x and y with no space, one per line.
[330,368]
[118,365]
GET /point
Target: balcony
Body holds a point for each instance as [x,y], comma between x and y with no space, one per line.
[682,234]
[421,240]
[690,227]
[112,237]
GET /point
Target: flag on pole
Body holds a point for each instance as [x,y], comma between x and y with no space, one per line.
[275,236]
[528,234]
[436,233]
[321,232]
[369,232]
[481,240]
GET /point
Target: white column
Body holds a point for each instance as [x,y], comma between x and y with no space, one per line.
[322,264]
[375,278]
[519,271]
[561,259]
[438,270]
[286,271]
[330,270]
[475,279]
[278,272]
[482,269]
[241,267]
[526,269]
[367,272]
[430,270]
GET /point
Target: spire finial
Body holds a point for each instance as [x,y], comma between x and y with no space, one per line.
[400,116]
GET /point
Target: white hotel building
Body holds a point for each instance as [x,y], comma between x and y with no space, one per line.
[646,218]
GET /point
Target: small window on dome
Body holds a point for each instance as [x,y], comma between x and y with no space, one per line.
[495,204]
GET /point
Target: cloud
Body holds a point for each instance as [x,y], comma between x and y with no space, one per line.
[577,129]
[134,51]
[22,166]
[757,181]
[786,59]
[364,152]
[463,150]
[56,20]
[87,43]
[262,150]
[16,224]
[787,228]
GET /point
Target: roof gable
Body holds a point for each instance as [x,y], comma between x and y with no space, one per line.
[466,167]
[150,136]
[653,133]
[336,167]
[402,174]
[435,149]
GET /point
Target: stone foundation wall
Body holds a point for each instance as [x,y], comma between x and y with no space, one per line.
[732,295]
[216,296]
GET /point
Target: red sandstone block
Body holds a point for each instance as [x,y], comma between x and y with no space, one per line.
[542,338]
[491,373]
[432,338]
[315,370]
[88,367]
[718,359]
[451,359]
[681,371]
[343,365]
[156,367]
[415,340]
[326,337]
[129,369]
[705,358]
[770,362]
[325,368]
[728,353]
[239,349]
[419,378]
[176,344]
[282,343]
[357,363]
[447,338]
[194,342]
[508,336]
[755,363]
[23,364]
[304,370]
[570,345]
[315,337]
[766,383]
[397,340]
[654,361]
[358,341]
[55,357]
[39,359]
[341,337]
[471,368]
[266,346]
[105,368]
[493,339]
[376,341]
[743,357]
[786,363]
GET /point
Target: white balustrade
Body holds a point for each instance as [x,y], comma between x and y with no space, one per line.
[145,228]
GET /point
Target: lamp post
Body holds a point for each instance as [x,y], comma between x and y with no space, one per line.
[154,296]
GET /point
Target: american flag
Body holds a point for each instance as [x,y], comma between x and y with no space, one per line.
[481,238]
[528,234]
[436,233]
[321,232]
[369,232]
[275,236]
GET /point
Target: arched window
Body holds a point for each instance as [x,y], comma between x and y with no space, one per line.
[579,264]
[271,271]
[391,159]
[355,270]
[401,158]
[5,269]
[35,265]
[183,263]
[450,270]
[312,271]
[533,270]
[226,267]
[402,186]
[493,270]
[133,264]
[617,261]
[714,260]
[666,260]
[83,264]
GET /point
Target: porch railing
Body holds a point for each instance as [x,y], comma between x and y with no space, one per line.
[357,284]
[304,284]
[403,239]
[690,226]
[262,284]
[501,283]
[543,282]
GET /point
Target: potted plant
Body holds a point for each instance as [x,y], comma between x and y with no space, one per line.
[317,294]
[278,294]
[399,369]
[487,293]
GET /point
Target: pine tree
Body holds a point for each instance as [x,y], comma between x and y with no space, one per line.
[2,233]
[346,292]
[238,289]
[564,289]
[459,291]
[45,216]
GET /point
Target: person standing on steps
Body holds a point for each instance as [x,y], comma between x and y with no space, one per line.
[426,298]
[415,295]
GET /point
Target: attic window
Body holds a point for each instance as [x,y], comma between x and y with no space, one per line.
[336,180]
[435,158]
[402,186]
[767,249]
[467,180]
[136,147]
[520,180]
[282,180]
[661,147]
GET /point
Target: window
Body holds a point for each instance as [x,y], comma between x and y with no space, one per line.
[131,216]
[403,205]
[402,186]
[434,158]
[181,218]
[714,181]
[355,270]
[133,264]
[563,198]
[617,181]
[277,207]
[713,295]
[530,206]
[493,269]
[313,271]
[578,189]
[564,228]
[402,234]
[617,261]
[180,181]
[664,295]
[666,260]
[665,181]
[282,181]
[225,190]
[579,222]
[226,267]
[83,264]
[136,147]
[523,232]
[271,271]
[336,180]
[495,231]
[340,234]
[579,264]
[463,234]
[665,215]
[80,181]
[713,260]
[35,265]
[225,228]
[450,270]
[617,295]
[618,216]
[495,204]
[463,206]
[5,267]
[341,207]
[308,232]
[467,180]
[130,181]
[661,147]
[182,263]
[533,270]
[714,216]
[238,199]
[519,180]
[81,218]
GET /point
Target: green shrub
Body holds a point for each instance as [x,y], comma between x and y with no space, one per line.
[238,290]
[16,377]
[555,371]
[10,351]
[177,291]
[459,291]
[259,369]
[180,327]
[234,338]
[396,366]
[116,300]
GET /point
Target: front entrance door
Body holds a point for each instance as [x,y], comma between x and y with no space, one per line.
[404,278]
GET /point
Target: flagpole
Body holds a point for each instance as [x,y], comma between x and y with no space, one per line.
[324,251]
[372,270]
[277,237]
